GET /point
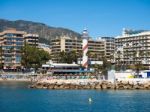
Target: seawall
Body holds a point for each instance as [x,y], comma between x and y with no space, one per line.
[92,84]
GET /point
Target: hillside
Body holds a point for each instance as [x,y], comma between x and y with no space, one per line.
[46,33]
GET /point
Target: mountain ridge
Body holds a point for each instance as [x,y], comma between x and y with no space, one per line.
[45,32]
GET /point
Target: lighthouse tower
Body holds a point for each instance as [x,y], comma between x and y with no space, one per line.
[85,37]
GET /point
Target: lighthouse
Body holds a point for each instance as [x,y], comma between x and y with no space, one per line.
[85,37]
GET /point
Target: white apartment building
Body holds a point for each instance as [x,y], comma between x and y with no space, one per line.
[133,47]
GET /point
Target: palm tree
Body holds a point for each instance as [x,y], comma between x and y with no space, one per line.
[67,57]
[105,66]
[73,56]
[62,57]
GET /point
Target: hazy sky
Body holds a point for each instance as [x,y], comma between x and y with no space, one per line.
[101,17]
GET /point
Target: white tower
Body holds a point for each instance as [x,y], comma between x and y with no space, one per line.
[85,37]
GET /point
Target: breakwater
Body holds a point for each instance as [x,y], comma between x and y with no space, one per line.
[91,84]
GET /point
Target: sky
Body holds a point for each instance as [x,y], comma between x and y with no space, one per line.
[100,17]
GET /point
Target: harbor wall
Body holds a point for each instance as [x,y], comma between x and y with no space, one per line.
[133,84]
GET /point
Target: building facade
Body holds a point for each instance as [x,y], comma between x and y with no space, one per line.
[45,47]
[32,39]
[11,43]
[109,47]
[133,47]
[96,49]
[66,44]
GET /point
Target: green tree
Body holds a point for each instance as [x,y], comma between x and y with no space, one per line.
[33,57]
[62,57]
[73,56]
[105,66]
[68,57]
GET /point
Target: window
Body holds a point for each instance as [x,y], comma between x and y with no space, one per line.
[8,59]
[19,43]
[9,34]
[19,39]
[18,59]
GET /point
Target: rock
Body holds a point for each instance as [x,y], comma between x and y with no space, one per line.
[32,86]
[131,83]
[98,86]
[87,87]
[66,86]
[125,82]
[39,86]
[104,86]
[56,87]
[121,87]
[136,87]
[91,85]
[51,86]
[61,86]
[147,86]
[44,87]
[128,87]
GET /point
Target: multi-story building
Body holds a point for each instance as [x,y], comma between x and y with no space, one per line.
[66,44]
[45,47]
[32,39]
[109,47]
[133,47]
[11,43]
[96,49]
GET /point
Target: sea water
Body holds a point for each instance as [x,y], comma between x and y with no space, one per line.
[17,97]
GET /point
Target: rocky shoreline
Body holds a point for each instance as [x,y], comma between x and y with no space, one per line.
[91,84]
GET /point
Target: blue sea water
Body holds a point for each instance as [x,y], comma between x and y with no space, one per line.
[17,97]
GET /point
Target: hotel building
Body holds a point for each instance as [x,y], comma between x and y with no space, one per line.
[32,39]
[97,49]
[65,43]
[11,42]
[109,47]
[133,47]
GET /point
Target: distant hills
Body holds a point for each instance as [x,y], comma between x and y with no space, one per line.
[46,33]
